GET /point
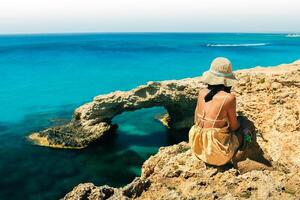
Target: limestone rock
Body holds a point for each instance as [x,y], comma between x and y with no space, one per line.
[135,188]
[265,95]
[90,191]
[92,120]
[270,97]
[200,181]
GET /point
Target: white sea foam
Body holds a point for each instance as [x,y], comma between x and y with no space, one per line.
[293,35]
[237,45]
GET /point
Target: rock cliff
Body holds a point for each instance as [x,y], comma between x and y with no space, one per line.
[270,97]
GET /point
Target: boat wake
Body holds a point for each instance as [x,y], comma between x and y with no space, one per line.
[237,45]
[293,35]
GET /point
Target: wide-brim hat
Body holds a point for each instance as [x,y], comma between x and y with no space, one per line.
[220,72]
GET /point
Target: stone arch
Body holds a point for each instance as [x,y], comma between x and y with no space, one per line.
[178,99]
[93,120]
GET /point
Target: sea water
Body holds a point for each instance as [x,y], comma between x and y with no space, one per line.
[43,78]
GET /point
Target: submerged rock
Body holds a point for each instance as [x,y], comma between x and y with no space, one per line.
[174,173]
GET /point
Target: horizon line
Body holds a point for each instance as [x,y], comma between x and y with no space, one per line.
[143,32]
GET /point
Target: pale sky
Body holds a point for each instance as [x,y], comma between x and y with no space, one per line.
[60,16]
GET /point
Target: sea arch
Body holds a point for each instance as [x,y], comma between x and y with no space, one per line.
[93,120]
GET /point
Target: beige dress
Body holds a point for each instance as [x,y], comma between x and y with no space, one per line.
[215,146]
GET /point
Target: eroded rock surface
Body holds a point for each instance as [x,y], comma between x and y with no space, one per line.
[92,120]
[90,191]
[270,97]
[262,89]
[174,173]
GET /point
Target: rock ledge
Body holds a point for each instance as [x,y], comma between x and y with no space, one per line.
[270,97]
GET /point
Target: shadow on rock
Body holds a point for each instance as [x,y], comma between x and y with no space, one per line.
[251,156]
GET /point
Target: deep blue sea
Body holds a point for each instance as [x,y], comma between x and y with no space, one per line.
[43,78]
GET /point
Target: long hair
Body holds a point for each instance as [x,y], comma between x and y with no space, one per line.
[214,89]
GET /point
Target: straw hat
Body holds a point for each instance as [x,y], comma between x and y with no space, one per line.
[220,72]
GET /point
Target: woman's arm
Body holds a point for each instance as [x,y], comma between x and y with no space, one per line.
[234,124]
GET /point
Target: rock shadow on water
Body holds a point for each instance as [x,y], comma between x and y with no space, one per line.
[45,118]
[13,134]
[177,136]
[118,138]
[106,161]
[3,127]
[121,161]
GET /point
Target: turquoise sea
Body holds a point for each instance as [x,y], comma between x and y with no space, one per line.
[43,78]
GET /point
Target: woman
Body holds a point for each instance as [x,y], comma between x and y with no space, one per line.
[215,138]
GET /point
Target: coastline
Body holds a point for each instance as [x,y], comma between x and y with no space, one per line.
[43,141]
[93,120]
[268,96]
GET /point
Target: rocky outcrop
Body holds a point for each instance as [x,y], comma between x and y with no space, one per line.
[270,97]
[90,191]
[266,87]
[92,121]
[174,173]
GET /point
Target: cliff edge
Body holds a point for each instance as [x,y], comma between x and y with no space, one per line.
[270,97]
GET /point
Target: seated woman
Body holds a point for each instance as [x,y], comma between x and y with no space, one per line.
[216,136]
